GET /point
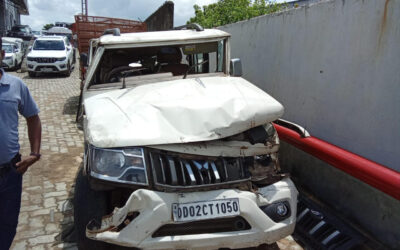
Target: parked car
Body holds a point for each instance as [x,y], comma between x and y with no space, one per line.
[37,33]
[50,54]
[13,56]
[20,43]
[180,151]
[21,31]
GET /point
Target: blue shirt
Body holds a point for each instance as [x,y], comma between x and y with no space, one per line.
[14,98]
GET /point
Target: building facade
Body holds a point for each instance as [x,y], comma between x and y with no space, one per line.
[10,13]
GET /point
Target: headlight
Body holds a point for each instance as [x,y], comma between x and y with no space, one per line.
[31,59]
[119,165]
[61,59]
[8,57]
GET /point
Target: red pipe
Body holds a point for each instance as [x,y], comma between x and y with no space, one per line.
[372,173]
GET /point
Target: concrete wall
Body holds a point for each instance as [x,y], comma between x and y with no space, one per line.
[161,19]
[335,66]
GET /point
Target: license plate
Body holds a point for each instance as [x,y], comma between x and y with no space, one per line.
[47,70]
[203,210]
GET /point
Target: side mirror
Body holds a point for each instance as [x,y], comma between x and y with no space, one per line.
[235,67]
[30,48]
[84,59]
[17,51]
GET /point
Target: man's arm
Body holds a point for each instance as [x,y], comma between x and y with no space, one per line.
[35,135]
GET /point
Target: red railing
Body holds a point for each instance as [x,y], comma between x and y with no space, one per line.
[372,173]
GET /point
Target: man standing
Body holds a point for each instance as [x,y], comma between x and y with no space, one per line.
[14,98]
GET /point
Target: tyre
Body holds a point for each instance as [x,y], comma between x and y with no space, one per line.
[15,65]
[31,74]
[88,204]
[68,72]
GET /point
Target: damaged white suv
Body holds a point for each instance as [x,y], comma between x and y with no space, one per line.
[180,151]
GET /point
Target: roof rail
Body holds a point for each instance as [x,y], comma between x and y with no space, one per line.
[192,26]
[114,32]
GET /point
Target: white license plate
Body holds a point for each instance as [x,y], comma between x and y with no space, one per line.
[205,209]
[46,69]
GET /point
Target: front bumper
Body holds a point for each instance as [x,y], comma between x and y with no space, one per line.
[155,210]
[8,63]
[56,67]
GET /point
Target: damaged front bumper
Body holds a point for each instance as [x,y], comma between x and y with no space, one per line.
[146,212]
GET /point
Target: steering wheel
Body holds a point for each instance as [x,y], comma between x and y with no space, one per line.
[117,73]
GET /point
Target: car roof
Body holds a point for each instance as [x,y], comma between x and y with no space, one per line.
[51,38]
[164,36]
[11,39]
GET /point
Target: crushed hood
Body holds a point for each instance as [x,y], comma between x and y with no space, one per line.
[179,111]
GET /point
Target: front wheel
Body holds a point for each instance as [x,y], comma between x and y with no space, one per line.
[15,64]
[88,204]
[68,72]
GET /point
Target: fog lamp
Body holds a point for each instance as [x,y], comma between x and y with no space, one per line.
[277,211]
[281,209]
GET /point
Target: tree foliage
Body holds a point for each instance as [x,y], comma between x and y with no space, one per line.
[230,11]
[48,26]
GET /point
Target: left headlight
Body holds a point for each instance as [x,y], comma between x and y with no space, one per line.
[8,57]
[61,59]
[118,165]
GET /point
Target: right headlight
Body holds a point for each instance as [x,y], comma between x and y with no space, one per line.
[31,59]
[61,59]
[118,165]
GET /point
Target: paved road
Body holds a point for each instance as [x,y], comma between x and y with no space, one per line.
[46,217]
[46,209]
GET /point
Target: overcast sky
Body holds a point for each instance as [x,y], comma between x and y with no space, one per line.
[42,12]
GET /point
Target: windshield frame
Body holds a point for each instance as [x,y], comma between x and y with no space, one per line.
[225,58]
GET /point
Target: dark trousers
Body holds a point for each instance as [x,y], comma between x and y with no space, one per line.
[10,203]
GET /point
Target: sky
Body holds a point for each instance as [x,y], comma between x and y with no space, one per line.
[42,12]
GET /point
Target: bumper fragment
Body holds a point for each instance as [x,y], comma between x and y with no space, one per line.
[153,210]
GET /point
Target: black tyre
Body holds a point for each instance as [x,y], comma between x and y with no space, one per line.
[68,72]
[15,64]
[88,204]
[31,74]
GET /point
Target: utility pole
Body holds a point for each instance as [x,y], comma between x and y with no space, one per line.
[84,7]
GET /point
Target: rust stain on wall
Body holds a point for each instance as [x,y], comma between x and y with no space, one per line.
[383,23]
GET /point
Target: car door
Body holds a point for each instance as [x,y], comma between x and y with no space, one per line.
[18,53]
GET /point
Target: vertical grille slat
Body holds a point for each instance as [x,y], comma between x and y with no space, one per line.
[162,169]
[172,169]
[182,168]
[215,173]
[192,178]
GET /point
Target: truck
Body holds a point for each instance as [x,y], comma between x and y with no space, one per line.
[86,28]
[180,150]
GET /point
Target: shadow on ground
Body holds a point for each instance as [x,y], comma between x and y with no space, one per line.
[71,105]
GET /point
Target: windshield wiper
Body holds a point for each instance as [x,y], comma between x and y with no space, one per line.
[194,65]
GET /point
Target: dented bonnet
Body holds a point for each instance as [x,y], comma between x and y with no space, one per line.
[179,111]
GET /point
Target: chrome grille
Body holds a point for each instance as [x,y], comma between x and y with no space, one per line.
[179,170]
[45,60]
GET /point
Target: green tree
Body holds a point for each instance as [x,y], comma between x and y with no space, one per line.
[230,11]
[48,26]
